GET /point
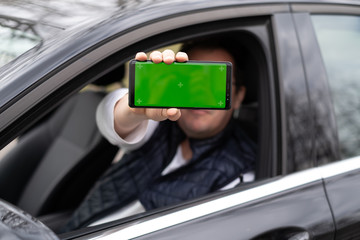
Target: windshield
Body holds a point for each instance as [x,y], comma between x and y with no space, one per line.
[16,37]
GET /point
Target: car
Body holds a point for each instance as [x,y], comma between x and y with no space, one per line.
[59,59]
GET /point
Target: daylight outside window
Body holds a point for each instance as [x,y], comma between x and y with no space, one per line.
[14,41]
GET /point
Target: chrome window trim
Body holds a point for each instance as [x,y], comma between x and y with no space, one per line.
[340,167]
[277,186]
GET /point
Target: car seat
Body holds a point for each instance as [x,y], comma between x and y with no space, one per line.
[55,163]
[248,114]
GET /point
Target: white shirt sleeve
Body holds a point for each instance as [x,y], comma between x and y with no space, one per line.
[105,122]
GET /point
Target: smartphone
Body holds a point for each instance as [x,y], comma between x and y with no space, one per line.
[192,84]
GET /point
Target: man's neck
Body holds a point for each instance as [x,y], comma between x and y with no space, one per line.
[186,150]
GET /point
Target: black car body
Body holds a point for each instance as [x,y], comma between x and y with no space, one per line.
[301,109]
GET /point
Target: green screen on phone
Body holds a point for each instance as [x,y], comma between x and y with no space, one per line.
[193,84]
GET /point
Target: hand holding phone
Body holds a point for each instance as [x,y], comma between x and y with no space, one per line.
[159,114]
[193,84]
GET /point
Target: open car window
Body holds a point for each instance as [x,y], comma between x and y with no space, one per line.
[247,117]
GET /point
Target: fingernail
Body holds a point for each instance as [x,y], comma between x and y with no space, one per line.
[168,60]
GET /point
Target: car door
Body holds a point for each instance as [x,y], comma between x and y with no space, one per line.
[337,31]
[288,201]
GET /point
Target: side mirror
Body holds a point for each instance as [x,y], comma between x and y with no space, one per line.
[15,224]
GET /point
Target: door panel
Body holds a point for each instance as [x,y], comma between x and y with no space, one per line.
[343,187]
[282,214]
[280,208]
[278,216]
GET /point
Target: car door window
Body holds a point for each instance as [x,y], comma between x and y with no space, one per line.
[16,38]
[339,38]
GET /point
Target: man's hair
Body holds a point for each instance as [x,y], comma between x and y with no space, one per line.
[225,43]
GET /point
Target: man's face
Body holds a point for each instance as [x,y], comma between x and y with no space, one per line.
[207,123]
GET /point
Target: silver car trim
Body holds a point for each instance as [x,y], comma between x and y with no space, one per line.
[277,186]
[340,167]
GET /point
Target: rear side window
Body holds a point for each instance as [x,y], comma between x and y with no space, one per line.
[339,39]
[16,38]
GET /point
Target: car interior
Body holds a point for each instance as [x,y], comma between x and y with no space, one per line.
[56,161]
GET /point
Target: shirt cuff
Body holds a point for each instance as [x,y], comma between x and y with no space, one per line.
[105,122]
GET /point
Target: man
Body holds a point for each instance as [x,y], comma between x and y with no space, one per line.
[171,155]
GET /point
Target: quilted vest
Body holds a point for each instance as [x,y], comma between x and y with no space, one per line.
[216,162]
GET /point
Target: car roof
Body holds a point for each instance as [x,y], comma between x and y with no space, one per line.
[66,13]
[50,17]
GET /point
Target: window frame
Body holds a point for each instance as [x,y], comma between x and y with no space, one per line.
[259,27]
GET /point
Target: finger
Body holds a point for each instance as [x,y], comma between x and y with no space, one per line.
[164,113]
[141,56]
[181,57]
[168,56]
[156,57]
[173,114]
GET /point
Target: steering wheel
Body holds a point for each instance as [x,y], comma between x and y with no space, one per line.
[15,224]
